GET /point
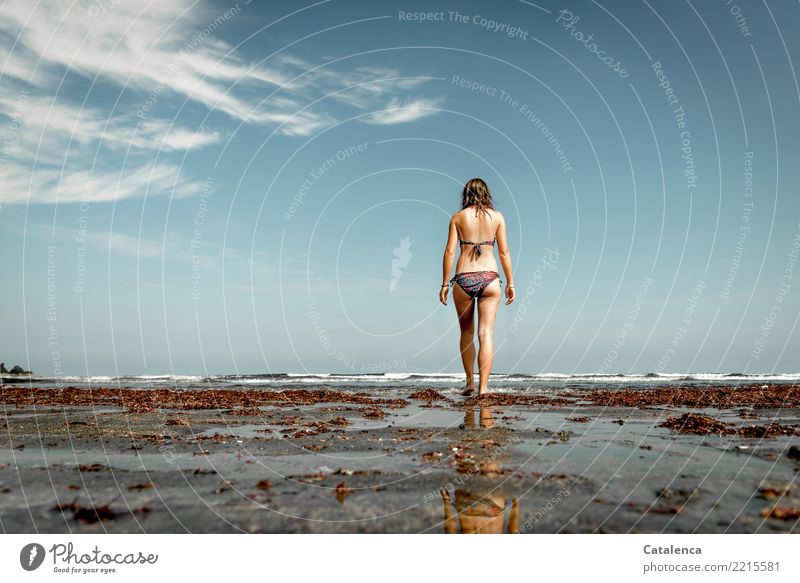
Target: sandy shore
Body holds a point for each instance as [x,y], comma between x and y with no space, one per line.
[659,460]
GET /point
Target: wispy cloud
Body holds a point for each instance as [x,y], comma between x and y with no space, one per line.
[105,79]
[166,48]
[116,243]
[396,112]
[51,124]
[53,185]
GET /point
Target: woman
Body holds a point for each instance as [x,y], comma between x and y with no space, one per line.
[476,228]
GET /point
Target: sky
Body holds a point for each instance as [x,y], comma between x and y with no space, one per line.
[265,187]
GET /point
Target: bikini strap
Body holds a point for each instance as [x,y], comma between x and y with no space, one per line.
[462,242]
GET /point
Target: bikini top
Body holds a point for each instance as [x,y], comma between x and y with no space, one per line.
[476,249]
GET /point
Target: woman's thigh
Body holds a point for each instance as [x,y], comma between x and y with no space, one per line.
[465,307]
[488,304]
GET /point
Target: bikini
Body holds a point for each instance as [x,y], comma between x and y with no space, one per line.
[474,282]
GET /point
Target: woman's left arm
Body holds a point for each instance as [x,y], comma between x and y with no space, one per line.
[447,260]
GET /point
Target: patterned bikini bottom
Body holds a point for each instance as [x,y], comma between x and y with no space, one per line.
[474,282]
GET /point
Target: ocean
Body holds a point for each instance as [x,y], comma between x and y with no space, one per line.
[445,382]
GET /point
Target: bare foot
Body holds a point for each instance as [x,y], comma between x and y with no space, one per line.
[484,392]
[470,387]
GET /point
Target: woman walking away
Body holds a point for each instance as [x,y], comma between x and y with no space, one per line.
[475,229]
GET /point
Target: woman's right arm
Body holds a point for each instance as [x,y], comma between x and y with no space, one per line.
[505,258]
[448,259]
[450,524]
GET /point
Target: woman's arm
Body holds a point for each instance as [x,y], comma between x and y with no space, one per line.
[450,524]
[505,258]
[447,260]
[513,519]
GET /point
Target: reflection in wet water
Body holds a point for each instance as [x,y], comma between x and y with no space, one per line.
[484,416]
[480,511]
[480,507]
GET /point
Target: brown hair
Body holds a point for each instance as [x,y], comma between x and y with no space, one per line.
[477,194]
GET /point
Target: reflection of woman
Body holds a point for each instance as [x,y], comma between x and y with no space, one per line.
[475,229]
[478,513]
[485,417]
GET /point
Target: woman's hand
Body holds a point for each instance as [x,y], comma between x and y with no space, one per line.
[443,294]
[509,294]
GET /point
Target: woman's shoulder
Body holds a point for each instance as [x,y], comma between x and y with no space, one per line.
[492,213]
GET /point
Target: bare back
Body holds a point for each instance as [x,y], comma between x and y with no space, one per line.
[477,229]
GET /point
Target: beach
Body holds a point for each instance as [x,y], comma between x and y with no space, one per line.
[320,459]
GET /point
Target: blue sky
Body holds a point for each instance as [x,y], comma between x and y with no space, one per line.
[217,187]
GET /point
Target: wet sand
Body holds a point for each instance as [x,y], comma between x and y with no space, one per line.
[670,459]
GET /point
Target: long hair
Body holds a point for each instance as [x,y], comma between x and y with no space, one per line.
[476,194]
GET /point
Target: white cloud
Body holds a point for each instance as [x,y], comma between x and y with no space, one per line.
[52,185]
[395,112]
[149,58]
[117,243]
[46,121]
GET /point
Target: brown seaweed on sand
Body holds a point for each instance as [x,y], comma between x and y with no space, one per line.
[699,424]
[771,430]
[427,395]
[307,478]
[148,401]
[86,514]
[342,492]
[752,396]
[773,491]
[678,495]
[782,512]
[508,399]
[374,413]
[432,456]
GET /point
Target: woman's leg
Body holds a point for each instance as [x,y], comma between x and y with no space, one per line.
[465,308]
[487,310]
[487,420]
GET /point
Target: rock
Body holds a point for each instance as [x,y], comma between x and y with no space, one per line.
[15,370]
[794,452]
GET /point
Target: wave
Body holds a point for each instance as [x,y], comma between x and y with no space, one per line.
[411,379]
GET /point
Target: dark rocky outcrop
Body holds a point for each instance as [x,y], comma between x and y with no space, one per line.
[16,370]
